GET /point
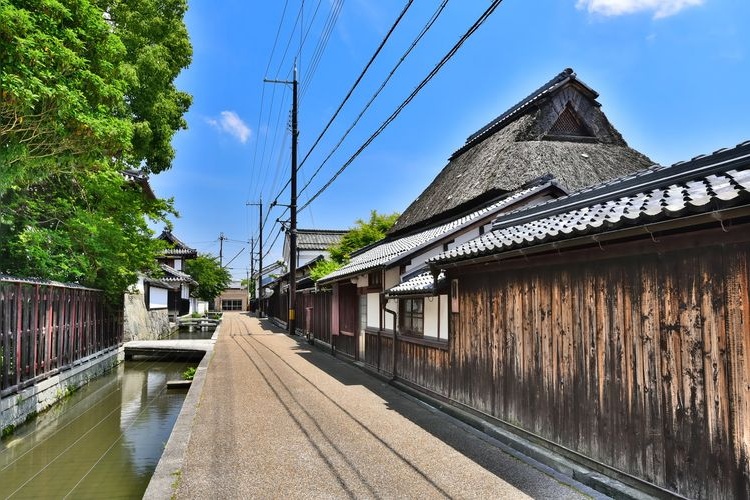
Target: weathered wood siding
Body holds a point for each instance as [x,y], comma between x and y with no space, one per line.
[314,314]
[45,328]
[385,346]
[642,362]
[418,361]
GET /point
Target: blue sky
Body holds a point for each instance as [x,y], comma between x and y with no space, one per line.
[672,77]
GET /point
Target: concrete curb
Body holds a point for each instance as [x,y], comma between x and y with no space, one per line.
[167,474]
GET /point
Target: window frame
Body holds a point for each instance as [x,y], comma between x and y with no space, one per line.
[409,315]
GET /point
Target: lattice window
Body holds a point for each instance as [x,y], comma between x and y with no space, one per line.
[568,124]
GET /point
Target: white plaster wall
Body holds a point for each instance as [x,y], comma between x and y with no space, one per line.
[157,298]
[178,264]
[418,260]
[463,238]
[444,317]
[361,281]
[185,291]
[392,305]
[373,310]
[305,256]
[431,317]
[392,277]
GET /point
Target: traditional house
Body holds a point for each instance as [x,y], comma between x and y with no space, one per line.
[312,305]
[613,325]
[555,140]
[311,244]
[172,264]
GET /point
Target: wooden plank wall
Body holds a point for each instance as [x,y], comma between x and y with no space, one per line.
[424,365]
[44,328]
[642,362]
[314,312]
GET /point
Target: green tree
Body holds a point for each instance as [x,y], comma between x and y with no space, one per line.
[362,234]
[83,81]
[62,88]
[89,227]
[157,48]
[86,91]
[211,277]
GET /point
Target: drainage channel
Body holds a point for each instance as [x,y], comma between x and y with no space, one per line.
[103,441]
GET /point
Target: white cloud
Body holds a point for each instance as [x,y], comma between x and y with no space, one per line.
[231,124]
[660,8]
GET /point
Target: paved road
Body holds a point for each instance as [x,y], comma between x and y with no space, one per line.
[280,420]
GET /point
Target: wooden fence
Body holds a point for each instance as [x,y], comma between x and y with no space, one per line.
[47,327]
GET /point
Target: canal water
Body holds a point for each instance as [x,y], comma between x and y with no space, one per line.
[192,333]
[103,441]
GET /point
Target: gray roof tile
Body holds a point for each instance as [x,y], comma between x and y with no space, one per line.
[707,183]
[419,284]
[389,251]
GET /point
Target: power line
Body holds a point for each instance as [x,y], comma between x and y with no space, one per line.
[356,83]
[401,107]
[414,43]
[263,88]
[321,46]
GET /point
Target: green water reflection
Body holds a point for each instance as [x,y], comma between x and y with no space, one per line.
[102,442]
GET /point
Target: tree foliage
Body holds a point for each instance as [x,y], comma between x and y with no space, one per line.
[88,228]
[83,81]
[362,234]
[86,91]
[211,277]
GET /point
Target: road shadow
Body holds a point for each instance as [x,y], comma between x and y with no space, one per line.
[484,450]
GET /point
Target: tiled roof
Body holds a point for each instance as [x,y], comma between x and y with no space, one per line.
[177,246]
[702,185]
[317,239]
[389,251]
[173,275]
[419,284]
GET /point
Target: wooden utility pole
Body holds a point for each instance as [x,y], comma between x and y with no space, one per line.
[221,249]
[292,208]
[260,256]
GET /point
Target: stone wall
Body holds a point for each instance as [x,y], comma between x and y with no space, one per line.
[142,324]
[17,408]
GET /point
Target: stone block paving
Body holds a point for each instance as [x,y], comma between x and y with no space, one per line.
[279,419]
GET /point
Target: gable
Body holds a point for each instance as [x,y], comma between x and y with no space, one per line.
[568,125]
[559,129]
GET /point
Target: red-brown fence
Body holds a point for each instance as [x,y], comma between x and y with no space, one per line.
[46,327]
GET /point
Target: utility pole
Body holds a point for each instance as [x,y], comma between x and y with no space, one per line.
[250,295]
[221,249]
[292,208]
[260,256]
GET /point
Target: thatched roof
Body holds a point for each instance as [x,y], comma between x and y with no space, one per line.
[558,129]
[706,185]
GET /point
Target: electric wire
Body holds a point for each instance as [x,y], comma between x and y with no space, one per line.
[493,6]
[312,66]
[408,51]
[263,87]
[355,84]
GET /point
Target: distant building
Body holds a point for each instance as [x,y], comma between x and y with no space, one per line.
[234,298]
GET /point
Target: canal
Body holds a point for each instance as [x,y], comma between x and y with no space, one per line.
[103,441]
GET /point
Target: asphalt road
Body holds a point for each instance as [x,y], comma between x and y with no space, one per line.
[278,419]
